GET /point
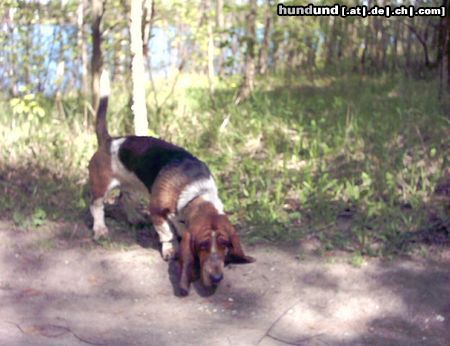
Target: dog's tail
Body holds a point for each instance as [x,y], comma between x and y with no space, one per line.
[101,128]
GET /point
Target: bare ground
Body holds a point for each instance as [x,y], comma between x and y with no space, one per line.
[59,288]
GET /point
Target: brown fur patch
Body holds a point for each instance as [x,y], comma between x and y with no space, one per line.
[100,173]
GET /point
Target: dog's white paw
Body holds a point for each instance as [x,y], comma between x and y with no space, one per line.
[100,232]
[168,250]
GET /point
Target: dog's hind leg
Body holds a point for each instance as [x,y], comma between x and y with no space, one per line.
[98,213]
[101,181]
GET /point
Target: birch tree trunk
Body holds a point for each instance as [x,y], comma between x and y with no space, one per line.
[206,18]
[82,5]
[220,24]
[137,70]
[82,46]
[147,23]
[96,60]
[264,50]
[247,85]
[210,57]
[60,70]
[12,55]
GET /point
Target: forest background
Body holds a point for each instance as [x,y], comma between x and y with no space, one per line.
[316,127]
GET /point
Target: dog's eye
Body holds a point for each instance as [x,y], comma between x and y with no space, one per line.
[224,242]
[204,245]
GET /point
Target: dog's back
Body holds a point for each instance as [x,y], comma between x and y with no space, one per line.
[147,156]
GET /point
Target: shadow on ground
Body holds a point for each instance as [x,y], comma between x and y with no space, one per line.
[76,292]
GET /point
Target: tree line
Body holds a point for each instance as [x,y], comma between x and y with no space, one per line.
[59,47]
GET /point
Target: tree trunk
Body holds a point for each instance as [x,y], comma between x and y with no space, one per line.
[264,50]
[27,41]
[373,48]
[247,84]
[81,42]
[275,39]
[82,5]
[11,66]
[313,52]
[423,41]
[58,92]
[378,44]
[137,70]
[147,23]
[442,34]
[443,53]
[331,41]
[366,43]
[219,14]
[408,46]
[220,23]
[210,57]
[205,19]
[383,43]
[395,45]
[366,47]
[60,70]
[354,49]
[96,60]
[447,61]
[339,40]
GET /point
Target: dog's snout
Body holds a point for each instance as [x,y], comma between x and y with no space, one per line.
[216,278]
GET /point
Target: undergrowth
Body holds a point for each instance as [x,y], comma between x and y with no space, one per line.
[351,161]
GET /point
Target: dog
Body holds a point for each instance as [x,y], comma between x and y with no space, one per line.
[183,195]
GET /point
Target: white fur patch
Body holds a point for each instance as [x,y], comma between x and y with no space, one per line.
[205,188]
[97,211]
[168,243]
[164,232]
[104,84]
[123,175]
[115,145]
[114,183]
[213,242]
[179,225]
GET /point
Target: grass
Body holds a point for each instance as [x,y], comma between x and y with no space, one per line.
[351,161]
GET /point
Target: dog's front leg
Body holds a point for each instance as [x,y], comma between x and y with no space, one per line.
[166,238]
[186,259]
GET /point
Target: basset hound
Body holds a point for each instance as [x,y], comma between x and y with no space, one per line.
[183,196]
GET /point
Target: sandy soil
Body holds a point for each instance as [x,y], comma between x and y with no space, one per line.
[58,288]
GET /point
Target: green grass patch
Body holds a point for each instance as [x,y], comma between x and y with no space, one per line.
[296,159]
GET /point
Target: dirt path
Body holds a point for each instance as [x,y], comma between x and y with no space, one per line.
[55,291]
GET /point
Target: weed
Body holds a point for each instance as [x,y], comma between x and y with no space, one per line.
[357,260]
[38,218]
[33,221]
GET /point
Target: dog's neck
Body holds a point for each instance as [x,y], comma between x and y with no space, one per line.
[199,209]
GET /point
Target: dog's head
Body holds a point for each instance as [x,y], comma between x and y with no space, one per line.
[211,242]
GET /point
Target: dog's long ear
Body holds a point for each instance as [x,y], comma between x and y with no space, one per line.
[186,258]
[236,254]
